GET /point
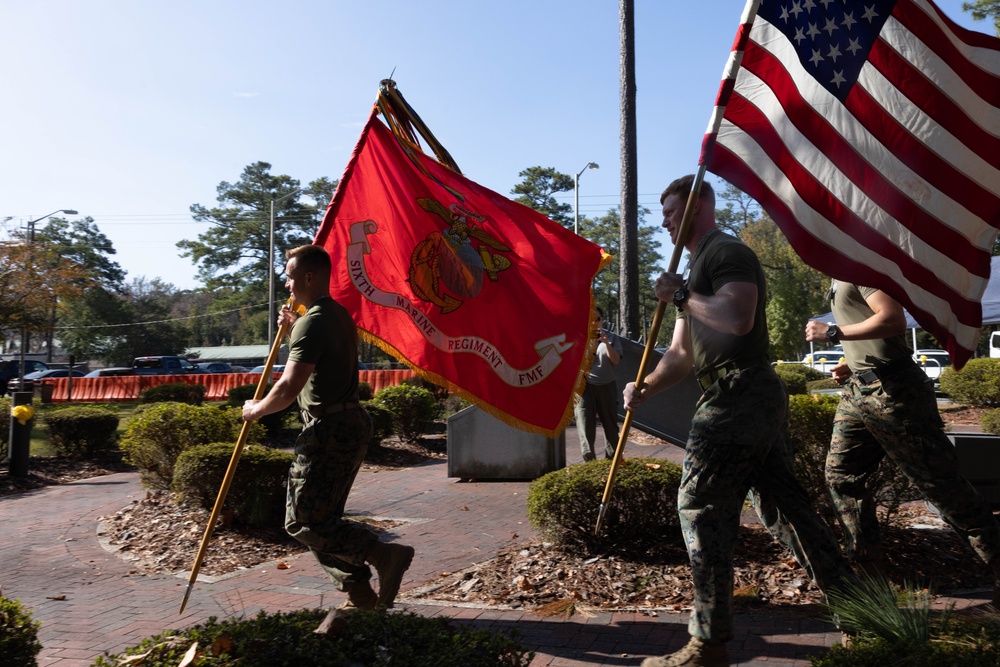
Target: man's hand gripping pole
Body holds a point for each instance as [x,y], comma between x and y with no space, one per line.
[654,331]
[241,441]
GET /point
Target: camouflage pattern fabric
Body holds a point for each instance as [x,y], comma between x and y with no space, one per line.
[899,417]
[328,455]
[738,443]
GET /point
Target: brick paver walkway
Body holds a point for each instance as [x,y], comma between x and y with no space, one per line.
[90,600]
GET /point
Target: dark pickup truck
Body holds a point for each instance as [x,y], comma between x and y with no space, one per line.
[11,369]
[165,366]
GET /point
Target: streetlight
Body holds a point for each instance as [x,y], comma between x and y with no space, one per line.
[576,196]
[24,329]
[272,314]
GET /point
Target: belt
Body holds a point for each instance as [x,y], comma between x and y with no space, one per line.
[886,370]
[327,410]
[709,377]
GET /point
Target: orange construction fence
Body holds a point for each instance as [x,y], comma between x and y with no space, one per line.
[217,385]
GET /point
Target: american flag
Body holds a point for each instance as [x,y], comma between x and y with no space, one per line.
[870,132]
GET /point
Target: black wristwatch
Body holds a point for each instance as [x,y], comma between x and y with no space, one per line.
[680,296]
[833,334]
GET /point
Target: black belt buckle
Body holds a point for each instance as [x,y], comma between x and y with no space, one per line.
[868,377]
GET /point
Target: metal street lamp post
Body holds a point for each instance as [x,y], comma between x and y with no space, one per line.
[19,441]
[31,240]
[576,196]
[272,314]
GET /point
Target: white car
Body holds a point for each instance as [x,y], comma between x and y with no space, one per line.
[824,360]
[933,362]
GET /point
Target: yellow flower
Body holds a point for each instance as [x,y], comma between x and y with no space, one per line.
[23,413]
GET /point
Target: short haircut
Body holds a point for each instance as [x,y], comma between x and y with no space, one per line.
[682,187]
[312,258]
[600,313]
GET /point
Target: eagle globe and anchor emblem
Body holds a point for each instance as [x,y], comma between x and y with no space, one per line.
[448,260]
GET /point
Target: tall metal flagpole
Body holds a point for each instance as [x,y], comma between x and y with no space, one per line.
[654,331]
[241,441]
[728,75]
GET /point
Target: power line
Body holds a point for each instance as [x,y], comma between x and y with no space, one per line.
[173,319]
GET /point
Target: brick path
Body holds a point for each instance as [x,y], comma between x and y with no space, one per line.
[49,548]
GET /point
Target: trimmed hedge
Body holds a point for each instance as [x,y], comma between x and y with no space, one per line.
[413,409]
[19,645]
[642,513]
[82,431]
[796,377]
[157,435]
[977,384]
[257,493]
[381,422]
[174,392]
[400,639]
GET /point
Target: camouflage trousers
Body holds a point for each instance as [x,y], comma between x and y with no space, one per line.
[328,455]
[738,444]
[599,401]
[898,417]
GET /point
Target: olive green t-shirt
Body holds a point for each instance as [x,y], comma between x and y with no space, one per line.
[849,307]
[721,259]
[325,336]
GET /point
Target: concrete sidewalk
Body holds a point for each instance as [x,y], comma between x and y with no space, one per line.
[91,601]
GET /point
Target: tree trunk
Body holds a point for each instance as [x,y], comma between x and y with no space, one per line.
[628,287]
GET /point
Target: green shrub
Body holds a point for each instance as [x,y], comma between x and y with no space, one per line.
[156,436]
[453,404]
[273,422]
[82,431]
[959,644]
[257,493]
[977,384]
[365,391]
[810,428]
[642,514]
[440,393]
[175,392]
[19,644]
[400,639]
[413,409]
[381,422]
[990,421]
[796,376]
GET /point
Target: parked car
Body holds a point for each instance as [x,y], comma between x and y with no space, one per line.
[277,368]
[164,365]
[28,382]
[824,360]
[240,369]
[933,362]
[112,371]
[215,367]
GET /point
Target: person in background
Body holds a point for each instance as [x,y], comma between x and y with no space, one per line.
[600,396]
[888,408]
[738,439]
[322,375]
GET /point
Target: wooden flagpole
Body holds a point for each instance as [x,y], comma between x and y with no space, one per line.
[654,331]
[241,441]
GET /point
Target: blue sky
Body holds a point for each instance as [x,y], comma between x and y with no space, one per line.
[130,112]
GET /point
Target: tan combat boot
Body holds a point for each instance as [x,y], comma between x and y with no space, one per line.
[697,653]
[359,596]
[390,561]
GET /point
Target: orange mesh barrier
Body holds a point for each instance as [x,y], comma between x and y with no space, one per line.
[217,385]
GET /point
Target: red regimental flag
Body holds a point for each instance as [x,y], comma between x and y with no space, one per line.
[870,132]
[473,291]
